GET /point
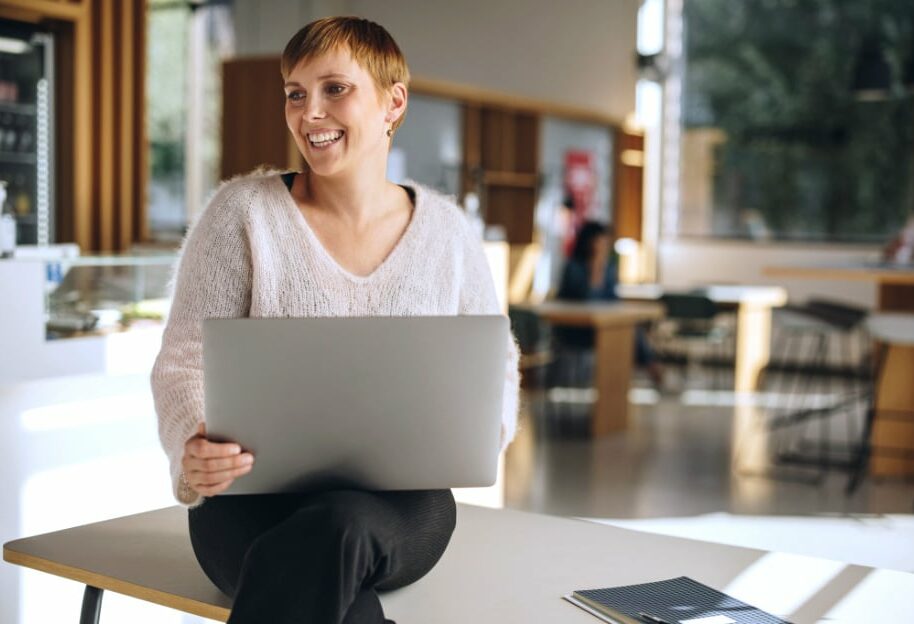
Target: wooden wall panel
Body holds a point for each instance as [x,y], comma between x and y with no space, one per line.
[512,208]
[254,130]
[527,145]
[628,176]
[81,204]
[104,121]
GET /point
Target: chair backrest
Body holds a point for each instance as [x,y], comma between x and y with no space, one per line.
[689,306]
[528,329]
[836,313]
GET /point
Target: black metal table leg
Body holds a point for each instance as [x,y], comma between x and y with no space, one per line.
[92,605]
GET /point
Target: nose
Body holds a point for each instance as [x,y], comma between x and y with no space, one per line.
[314,108]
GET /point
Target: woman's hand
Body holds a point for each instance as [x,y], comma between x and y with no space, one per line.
[211,467]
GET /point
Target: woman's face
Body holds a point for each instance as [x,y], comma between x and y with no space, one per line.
[336,115]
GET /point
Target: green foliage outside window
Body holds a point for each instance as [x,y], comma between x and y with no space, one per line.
[803,151]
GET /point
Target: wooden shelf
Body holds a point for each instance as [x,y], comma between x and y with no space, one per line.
[501,158]
[510,178]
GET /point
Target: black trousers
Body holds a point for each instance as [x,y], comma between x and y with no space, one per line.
[319,558]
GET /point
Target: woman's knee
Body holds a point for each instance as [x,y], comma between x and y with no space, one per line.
[325,519]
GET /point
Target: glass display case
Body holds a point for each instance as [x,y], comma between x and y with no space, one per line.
[92,295]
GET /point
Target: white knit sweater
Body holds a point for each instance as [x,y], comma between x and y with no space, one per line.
[252,254]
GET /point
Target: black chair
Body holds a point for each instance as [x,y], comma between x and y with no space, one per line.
[692,320]
[814,355]
[533,339]
[557,365]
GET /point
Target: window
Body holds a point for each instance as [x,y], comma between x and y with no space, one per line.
[796,119]
[428,145]
[186,43]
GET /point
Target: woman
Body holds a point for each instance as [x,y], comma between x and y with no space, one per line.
[590,275]
[335,240]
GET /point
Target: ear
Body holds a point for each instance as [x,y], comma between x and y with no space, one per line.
[396,104]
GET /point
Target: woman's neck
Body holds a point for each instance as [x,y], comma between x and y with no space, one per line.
[357,199]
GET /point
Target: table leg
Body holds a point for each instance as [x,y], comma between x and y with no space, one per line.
[753,345]
[92,605]
[892,436]
[612,378]
[896,297]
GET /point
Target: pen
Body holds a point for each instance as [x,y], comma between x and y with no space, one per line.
[651,618]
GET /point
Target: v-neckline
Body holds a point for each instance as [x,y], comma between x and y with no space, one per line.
[315,241]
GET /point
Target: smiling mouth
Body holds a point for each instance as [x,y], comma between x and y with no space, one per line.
[325,139]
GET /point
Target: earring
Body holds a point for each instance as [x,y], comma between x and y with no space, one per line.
[390,131]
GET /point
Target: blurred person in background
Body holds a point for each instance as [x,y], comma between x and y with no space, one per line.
[591,274]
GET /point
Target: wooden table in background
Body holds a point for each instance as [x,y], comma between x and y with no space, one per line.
[614,325]
[895,391]
[895,282]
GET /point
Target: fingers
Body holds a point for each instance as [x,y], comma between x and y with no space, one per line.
[213,479]
[211,467]
[203,448]
[207,490]
[219,464]
[210,482]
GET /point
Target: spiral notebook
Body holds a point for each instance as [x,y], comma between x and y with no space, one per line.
[674,601]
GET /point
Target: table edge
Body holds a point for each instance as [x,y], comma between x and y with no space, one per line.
[73,573]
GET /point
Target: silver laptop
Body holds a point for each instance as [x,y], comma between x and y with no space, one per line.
[374,403]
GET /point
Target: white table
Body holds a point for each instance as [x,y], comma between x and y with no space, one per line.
[501,567]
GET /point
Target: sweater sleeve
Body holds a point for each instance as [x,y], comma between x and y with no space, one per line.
[213,280]
[477,296]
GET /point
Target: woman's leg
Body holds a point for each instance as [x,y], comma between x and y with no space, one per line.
[322,561]
[223,528]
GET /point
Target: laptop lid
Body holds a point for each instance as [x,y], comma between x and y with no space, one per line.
[375,403]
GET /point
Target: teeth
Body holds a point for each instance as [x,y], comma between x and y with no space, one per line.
[325,137]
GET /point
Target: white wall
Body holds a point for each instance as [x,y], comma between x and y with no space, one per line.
[576,52]
[684,263]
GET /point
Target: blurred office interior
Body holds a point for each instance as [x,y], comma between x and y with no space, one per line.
[753,161]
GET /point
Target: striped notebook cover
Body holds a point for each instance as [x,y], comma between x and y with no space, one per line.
[674,601]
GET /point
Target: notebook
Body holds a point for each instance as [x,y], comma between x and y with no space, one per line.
[674,601]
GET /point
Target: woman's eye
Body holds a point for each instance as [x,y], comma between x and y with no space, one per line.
[335,89]
[295,96]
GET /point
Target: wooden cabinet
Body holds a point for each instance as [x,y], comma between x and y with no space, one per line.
[254,132]
[501,158]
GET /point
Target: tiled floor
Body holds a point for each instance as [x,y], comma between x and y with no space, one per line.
[78,450]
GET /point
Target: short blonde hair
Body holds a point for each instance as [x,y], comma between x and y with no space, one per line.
[371,46]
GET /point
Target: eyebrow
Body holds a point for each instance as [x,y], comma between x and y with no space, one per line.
[292,83]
